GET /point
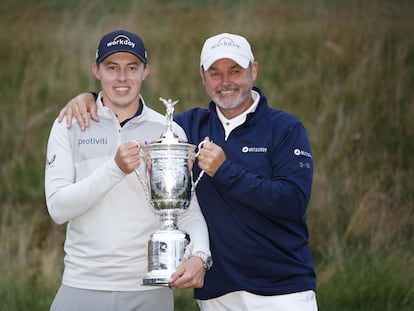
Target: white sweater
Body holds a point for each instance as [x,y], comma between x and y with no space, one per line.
[109,219]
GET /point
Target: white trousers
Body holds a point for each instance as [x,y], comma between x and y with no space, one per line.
[245,301]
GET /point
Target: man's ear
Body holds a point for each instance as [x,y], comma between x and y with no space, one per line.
[202,74]
[255,69]
[146,71]
[95,71]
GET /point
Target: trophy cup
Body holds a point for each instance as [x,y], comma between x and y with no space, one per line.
[169,187]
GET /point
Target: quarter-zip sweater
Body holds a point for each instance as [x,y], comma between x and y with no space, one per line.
[255,205]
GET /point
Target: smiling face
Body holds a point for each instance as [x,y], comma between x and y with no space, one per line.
[229,85]
[121,75]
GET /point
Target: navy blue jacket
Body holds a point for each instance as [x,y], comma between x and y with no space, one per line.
[255,204]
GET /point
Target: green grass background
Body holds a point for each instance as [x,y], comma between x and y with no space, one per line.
[345,68]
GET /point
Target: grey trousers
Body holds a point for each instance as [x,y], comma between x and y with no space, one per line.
[76,299]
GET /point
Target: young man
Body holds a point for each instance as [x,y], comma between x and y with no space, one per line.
[259,182]
[90,184]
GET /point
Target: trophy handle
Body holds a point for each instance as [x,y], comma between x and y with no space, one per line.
[141,179]
[200,145]
[143,182]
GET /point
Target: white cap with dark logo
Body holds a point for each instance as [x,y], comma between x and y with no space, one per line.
[226,45]
[121,41]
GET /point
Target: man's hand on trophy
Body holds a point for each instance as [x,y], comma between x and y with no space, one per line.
[210,157]
[128,156]
[79,107]
[189,274]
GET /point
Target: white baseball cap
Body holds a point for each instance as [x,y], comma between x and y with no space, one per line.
[226,45]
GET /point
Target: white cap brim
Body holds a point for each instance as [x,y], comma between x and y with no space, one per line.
[242,61]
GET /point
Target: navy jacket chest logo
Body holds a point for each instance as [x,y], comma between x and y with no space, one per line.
[247,149]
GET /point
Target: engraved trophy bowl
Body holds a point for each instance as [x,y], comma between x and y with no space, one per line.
[169,187]
[169,176]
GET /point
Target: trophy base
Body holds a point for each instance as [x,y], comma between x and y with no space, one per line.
[157,278]
[165,250]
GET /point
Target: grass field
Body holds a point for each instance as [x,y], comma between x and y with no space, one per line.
[345,68]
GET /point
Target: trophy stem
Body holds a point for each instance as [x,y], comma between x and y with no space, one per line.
[169,221]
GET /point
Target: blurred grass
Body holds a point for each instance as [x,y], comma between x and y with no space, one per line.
[345,68]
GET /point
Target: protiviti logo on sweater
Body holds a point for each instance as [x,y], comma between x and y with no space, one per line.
[93,141]
[246,149]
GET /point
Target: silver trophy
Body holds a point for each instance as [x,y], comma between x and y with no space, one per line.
[169,187]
